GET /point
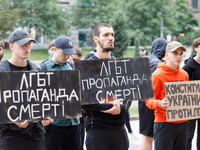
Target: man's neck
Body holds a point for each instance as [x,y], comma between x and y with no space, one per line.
[54,58]
[197,58]
[172,66]
[102,55]
[18,62]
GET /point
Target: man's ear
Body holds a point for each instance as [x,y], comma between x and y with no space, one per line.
[95,38]
[54,48]
[195,49]
[166,55]
[11,46]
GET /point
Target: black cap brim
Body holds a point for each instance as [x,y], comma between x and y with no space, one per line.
[24,41]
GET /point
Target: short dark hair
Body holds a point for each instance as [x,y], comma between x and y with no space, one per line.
[2,44]
[51,44]
[78,51]
[96,30]
[196,43]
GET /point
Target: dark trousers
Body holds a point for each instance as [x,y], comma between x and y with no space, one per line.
[170,136]
[21,143]
[62,138]
[106,139]
[127,119]
[191,124]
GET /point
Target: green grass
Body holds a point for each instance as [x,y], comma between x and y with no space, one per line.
[42,54]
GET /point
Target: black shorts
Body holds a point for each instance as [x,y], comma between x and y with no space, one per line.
[146,117]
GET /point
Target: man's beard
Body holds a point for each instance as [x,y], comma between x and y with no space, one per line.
[1,57]
[108,49]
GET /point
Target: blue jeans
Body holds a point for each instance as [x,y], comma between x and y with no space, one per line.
[170,136]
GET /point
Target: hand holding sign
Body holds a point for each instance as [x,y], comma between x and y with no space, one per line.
[47,121]
[22,124]
[164,103]
[116,109]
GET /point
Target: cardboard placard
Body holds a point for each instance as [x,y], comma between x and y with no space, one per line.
[184,100]
[35,95]
[124,78]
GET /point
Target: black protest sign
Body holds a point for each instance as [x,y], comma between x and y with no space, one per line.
[104,79]
[183,99]
[35,95]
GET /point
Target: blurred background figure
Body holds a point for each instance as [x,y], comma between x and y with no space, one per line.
[50,51]
[76,56]
[51,48]
[2,45]
[147,115]
[174,38]
[127,123]
[144,51]
[169,38]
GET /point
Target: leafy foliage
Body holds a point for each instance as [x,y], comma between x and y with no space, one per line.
[145,17]
[121,36]
[185,21]
[89,13]
[46,16]
[8,17]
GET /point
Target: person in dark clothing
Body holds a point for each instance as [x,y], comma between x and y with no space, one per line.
[127,123]
[127,116]
[146,114]
[91,53]
[105,122]
[62,134]
[192,67]
[23,135]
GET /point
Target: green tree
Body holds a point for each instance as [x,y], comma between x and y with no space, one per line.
[121,36]
[146,16]
[45,16]
[88,13]
[8,17]
[185,21]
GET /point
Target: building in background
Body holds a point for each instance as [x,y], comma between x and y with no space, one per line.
[80,37]
[195,4]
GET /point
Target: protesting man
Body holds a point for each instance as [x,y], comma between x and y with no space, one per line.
[64,133]
[168,135]
[105,122]
[23,135]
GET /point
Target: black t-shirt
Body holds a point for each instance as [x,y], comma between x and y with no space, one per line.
[16,68]
[31,130]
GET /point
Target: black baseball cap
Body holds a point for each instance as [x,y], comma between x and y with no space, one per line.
[66,44]
[20,37]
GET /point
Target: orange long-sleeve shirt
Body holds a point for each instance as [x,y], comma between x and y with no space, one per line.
[164,74]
